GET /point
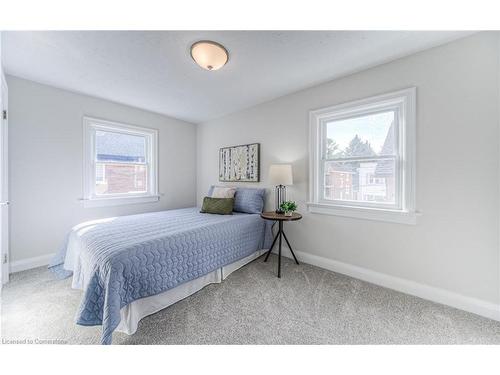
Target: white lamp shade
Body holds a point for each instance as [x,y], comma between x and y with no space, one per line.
[281,174]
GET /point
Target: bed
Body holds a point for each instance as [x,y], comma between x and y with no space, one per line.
[132,266]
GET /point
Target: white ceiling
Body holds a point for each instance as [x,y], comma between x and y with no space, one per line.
[153,70]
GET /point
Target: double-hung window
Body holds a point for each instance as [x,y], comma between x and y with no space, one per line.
[120,163]
[362,158]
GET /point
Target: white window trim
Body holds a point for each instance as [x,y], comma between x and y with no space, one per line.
[405,102]
[90,125]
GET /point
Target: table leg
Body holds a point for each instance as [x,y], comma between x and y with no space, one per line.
[290,246]
[279,252]
[271,248]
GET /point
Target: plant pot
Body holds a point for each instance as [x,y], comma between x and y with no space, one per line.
[288,213]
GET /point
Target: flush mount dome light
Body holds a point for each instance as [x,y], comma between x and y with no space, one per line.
[209,55]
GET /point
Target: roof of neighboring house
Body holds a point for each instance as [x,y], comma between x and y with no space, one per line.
[120,147]
[386,167]
[339,167]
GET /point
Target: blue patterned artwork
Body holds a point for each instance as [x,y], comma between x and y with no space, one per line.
[239,163]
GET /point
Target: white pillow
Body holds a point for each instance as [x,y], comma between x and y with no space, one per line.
[223,192]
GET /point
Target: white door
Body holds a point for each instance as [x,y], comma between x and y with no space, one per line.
[4,186]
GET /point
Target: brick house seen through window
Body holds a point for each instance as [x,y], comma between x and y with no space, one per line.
[362,180]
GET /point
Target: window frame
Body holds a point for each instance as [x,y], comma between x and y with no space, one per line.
[90,198]
[403,102]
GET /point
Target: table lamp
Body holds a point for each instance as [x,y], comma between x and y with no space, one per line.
[280,175]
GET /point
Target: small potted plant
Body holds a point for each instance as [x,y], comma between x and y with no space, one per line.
[288,207]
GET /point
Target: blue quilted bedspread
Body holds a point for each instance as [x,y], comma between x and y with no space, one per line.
[122,259]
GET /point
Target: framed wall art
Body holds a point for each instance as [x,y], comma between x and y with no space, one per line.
[240,163]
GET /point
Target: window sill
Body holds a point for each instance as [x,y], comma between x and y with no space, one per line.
[104,202]
[392,216]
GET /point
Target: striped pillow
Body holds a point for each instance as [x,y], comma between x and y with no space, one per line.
[223,192]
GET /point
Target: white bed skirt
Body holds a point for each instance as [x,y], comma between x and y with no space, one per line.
[135,311]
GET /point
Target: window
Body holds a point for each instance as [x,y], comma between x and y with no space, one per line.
[362,157]
[120,163]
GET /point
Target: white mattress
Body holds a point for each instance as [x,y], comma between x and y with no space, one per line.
[138,309]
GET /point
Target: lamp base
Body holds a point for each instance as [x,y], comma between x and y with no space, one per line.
[280,197]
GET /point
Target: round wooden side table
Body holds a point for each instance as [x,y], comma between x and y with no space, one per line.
[280,218]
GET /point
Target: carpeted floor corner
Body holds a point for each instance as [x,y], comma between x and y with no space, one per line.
[308,305]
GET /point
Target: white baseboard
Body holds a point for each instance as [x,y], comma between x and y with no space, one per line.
[445,297]
[27,264]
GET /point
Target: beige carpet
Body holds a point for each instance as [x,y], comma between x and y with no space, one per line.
[308,305]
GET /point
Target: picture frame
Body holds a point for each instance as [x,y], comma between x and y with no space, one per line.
[240,163]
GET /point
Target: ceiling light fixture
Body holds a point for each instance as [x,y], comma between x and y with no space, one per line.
[209,55]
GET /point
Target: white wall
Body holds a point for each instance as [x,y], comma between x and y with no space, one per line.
[455,245]
[45,135]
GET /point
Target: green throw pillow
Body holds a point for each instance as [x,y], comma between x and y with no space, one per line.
[221,206]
